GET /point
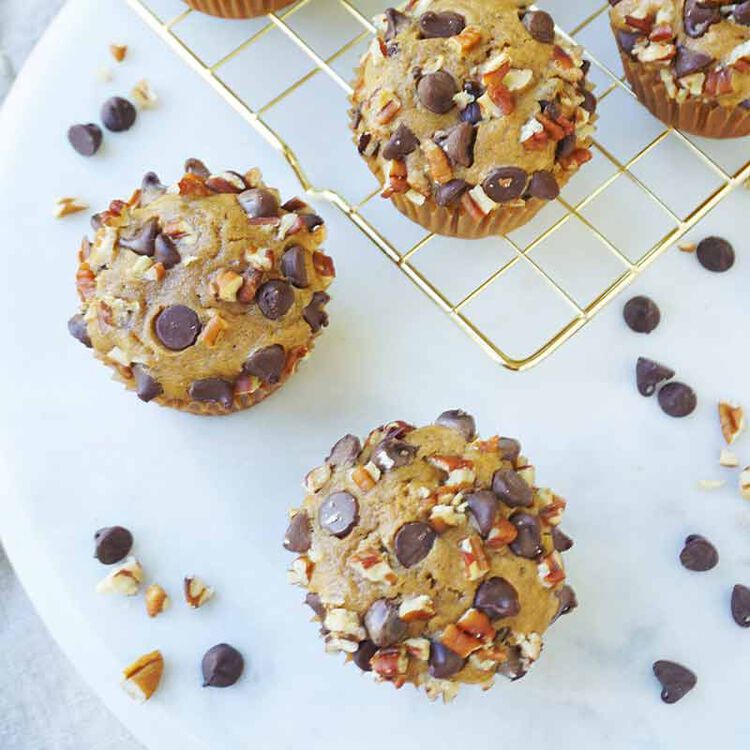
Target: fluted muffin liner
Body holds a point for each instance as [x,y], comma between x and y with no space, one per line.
[238,8]
[697,116]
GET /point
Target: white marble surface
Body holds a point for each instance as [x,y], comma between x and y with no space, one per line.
[34,670]
[211,496]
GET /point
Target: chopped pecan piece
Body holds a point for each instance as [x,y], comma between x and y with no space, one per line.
[475,560]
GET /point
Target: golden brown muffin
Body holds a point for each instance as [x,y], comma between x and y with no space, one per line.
[688,62]
[204,295]
[430,556]
[238,8]
[471,113]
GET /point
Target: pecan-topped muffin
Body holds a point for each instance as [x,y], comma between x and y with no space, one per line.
[472,113]
[204,295]
[430,556]
[688,61]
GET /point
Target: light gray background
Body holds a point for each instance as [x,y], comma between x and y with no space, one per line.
[44,704]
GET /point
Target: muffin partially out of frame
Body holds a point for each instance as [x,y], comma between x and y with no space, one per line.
[238,8]
[471,113]
[205,295]
[430,556]
[688,62]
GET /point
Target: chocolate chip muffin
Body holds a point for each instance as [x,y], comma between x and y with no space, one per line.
[471,113]
[688,61]
[431,556]
[204,295]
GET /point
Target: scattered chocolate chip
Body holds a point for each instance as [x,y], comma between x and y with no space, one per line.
[688,61]
[151,188]
[313,601]
[298,537]
[512,489]
[78,330]
[627,40]
[540,25]
[741,13]
[460,421]
[147,387]
[96,221]
[698,554]
[85,139]
[471,113]
[314,313]
[213,390]
[509,448]
[449,192]
[274,298]
[395,21]
[222,666]
[497,598]
[363,655]
[197,167]
[118,114]
[677,399]
[413,542]
[294,266]
[741,605]
[142,242]
[266,363]
[436,90]
[745,104]
[400,144]
[567,601]
[177,327]
[458,144]
[383,624]
[641,314]
[473,88]
[699,16]
[560,540]
[505,184]
[259,203]
[338,514]
[676,680]
[112,544]
[311,221]
[345,451]
[514,666]
[165,251]
[528,543]
[392,453]
[715,254]
[543,185]
[444,663]
[440,25]
[649,374]
[483,508]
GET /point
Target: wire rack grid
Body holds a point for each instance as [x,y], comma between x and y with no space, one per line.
[577,209]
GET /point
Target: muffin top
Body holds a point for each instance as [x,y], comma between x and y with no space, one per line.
[476,102]
[701,49]
[206,291]
[430,555]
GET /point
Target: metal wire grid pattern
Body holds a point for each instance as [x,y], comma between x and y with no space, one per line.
[580,314]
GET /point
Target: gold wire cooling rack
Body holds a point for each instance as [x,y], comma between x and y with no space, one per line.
[522,249]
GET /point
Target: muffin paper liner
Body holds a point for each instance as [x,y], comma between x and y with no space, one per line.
[456,222]
[238,8]
[697,116]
